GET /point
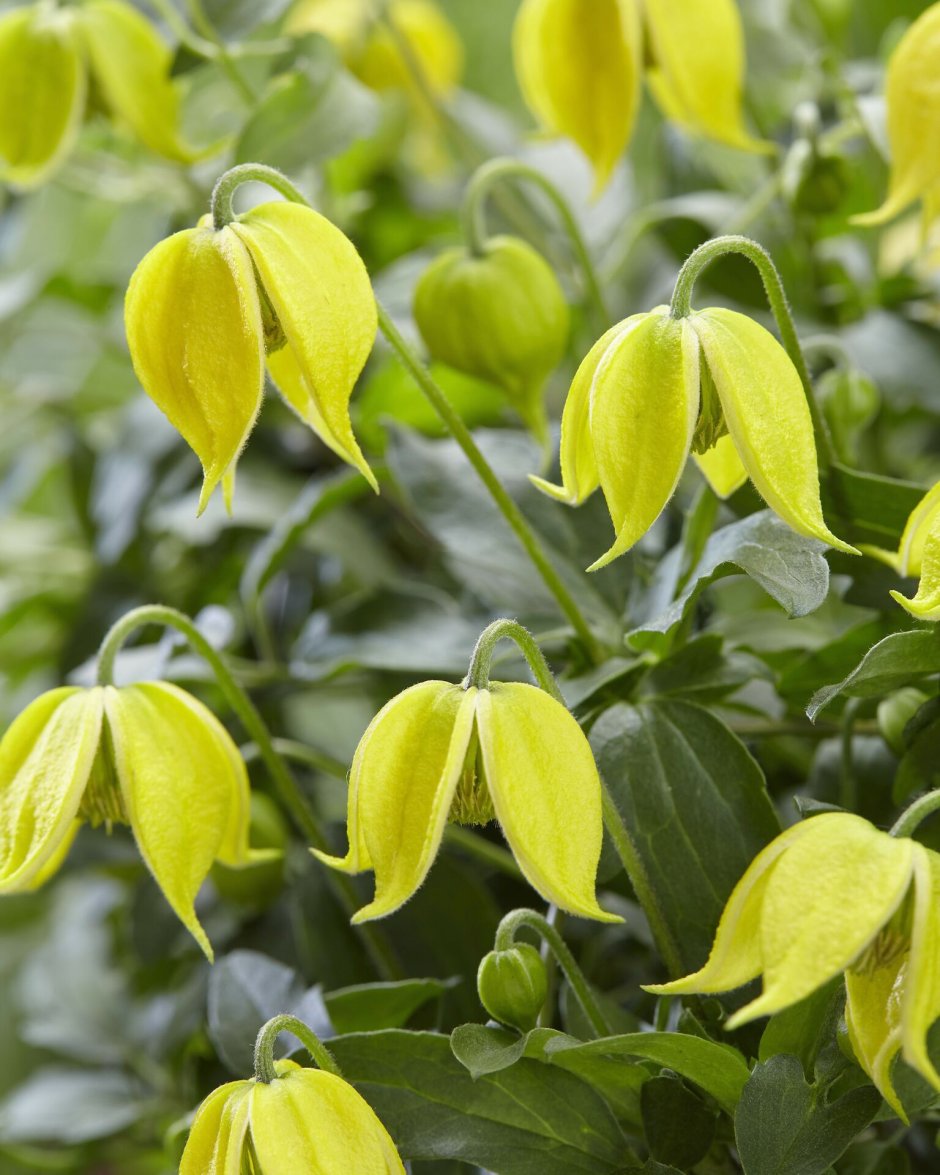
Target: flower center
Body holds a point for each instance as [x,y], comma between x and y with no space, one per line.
[885,949]
[710,426]
[472,803]
[102,802]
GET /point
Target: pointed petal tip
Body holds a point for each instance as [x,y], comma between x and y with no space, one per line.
[559,493]
[342,864]
[918,610]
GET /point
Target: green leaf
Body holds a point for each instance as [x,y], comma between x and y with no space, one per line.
[868,508]
[366,1007]
[803,1029]
[702,671]
[528,1119]
[679,1127]
[783,1126]
[695,804]
[899,659]
[63,1105]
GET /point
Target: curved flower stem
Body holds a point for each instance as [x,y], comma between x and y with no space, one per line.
[478,674]
[207,29]
[698,261]
[505,937]
[484,471]
[264,1047]
[287,787]
[222,194]
[908,821]
[485,178]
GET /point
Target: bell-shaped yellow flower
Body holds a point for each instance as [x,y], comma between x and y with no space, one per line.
[834,894]
[918,553]
[304,1121]
[656,387]
[440,752]
[580,67]
[48,56]
[913,101]
[147,755]
[207,308]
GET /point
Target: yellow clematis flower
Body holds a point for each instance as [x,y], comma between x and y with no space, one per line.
[48,57]
[918,553]
[440,752]
[834,894]
[580,68]
[304,1121]
[655,387]
[207,309]
[147,755]
[913,102]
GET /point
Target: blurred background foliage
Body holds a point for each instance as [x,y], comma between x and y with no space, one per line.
[329,600]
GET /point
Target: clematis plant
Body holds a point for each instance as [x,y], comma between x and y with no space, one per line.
[835,894]
[918,554]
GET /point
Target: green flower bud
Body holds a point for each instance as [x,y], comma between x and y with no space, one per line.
[895,712]
[501,316]
[513,985]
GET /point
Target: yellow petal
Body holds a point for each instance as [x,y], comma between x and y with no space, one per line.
[321,293]
[644,404]
[409,763]
[432,40]
[722,467]
[310,1121]
[913,101]
[341,21]
[825,901]
[42,93]
[546,792]
[131,65]
[579,68]
[923,518]
[735,957]
[195,333]
[179,788]
[873,1020]
[768,417]
[921,1000]
[925,605]
[46,757]
[200,1156]
[698,67]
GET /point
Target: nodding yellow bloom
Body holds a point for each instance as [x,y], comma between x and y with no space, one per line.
[913,101]
[304,1121]
[918,554]
[147,755]
[509,752]
[207,309]
[654,388]
[834,894]
[49,55]
[580,67]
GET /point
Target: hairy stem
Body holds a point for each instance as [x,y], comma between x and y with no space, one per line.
[264,1047]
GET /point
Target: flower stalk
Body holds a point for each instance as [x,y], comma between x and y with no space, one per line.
[267,1037]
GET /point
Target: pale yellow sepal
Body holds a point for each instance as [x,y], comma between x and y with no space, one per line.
[925,605]
[924,518]
[767,416]
[211,1132]
[42,93]
[320,291]
[921,998]
[579,67]
[697,76]
[721,467]
[913,104]
[873,1021]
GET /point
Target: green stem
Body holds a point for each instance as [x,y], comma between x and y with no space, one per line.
[208,30]
[909,820]
[223,193]
[510,511]
[264,1047]
[478,675]
[636,873]
[848,789]
[704,256]
[505,937]
[300,753]
[169,14]
[286,785]
[485,178]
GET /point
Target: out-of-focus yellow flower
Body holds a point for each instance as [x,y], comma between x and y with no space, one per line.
[48,56]
[207,308]
[147,755]
[655,387]
[304,1121]
[831,895]
[440,752]
[580,67]
[913,100]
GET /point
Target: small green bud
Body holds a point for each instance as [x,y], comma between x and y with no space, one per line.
[850,402]
[513,985]
[895,712]
[501,316]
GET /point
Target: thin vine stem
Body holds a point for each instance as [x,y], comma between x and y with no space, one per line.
[473,213]
[478,674]
[207,29]
[909,820]
[265,1070]
[254,725]
[505,937]
[221,206]
[704,256]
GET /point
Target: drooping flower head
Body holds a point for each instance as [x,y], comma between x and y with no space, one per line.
[48,58]
[208,309]
[918,554]
[440,752]
[834,894]
[656,387]
[148,755]
[580,67]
